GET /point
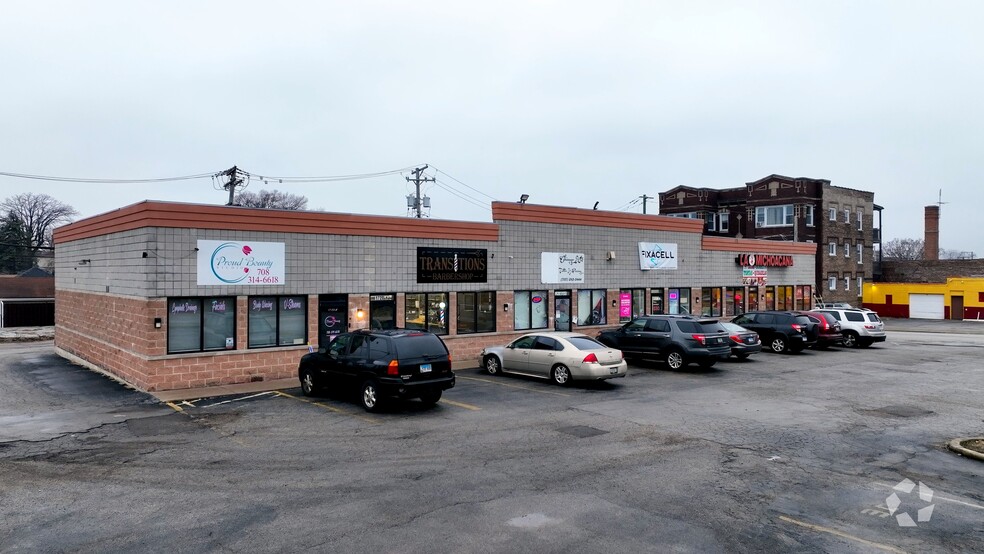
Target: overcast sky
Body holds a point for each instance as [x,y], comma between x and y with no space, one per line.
[570,102]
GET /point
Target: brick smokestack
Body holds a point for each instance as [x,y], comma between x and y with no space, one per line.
[931,244]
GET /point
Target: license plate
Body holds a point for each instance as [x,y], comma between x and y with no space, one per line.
[613,371]
[425,368]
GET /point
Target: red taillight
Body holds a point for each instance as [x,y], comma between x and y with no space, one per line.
[797,327]
[449,357]
[590,359]
[700,339]
[393,368]
[736,338]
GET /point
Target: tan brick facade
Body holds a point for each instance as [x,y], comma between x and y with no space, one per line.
[117,335]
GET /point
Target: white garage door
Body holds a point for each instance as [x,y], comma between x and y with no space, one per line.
[926,306]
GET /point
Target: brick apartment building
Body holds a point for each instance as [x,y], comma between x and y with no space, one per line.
[841,221]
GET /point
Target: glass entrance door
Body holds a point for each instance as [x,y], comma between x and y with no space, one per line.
[562,310]
[332,317]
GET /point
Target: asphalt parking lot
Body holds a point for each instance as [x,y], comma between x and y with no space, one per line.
[777,453]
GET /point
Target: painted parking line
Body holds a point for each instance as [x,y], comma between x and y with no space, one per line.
[238,399]
[461,405]
[511,385]
[841,534]
[328,407]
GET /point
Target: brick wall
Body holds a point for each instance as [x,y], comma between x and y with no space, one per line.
[929,271]
[117,335]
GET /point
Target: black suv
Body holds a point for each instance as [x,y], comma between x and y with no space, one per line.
[781,331]
[394,363]
[678,339]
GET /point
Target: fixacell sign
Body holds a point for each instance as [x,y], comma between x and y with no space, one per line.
[223,262]
[654,255]
[766,260]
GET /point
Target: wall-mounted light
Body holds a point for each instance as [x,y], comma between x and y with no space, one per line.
[158,322]
[614,303]
[86,261]
[505,307]
[144,255]
[523,198]
[360,313]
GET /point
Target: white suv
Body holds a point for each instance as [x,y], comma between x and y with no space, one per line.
[861,327]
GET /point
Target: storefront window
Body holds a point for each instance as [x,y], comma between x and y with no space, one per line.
[428,312]
[784,298]
[476,312]
[770,298]
[530,310]
[711,301]
[591,307]
[382,311]
[656,301]
[277,320]
[753,298]
[733,301]
[197,324]
[678,301]
[631,304]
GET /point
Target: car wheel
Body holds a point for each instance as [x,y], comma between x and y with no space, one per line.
[675,359]
[308,385]
[706,364]
[850,339]
[561,375]
[431,397]
[778,344]
[370,396]
[492,365]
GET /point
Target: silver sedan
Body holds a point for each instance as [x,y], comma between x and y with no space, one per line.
[560,357]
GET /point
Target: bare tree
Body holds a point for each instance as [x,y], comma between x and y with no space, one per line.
[271,199]
[40,214]
[903,249]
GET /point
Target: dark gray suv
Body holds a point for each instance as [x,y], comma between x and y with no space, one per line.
[678,339]
[383,364]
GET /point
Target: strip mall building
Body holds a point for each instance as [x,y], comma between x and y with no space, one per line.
[173,296]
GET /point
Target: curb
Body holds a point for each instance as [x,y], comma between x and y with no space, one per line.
[954,445]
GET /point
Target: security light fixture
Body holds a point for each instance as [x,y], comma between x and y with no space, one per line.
[523,198]
[360,313]
[157,323]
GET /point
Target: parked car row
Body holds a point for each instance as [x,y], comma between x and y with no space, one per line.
[400,363]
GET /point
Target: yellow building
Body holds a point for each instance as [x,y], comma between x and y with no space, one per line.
[958,298]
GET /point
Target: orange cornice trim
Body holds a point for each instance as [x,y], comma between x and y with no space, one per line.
[758,245]
[535,213]
[233,218]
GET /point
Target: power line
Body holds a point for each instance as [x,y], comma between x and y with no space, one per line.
[327,178]
[95,180]
[462,195]
[464,184]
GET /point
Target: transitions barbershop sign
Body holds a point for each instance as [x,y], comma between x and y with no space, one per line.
[452,265]
[222,262]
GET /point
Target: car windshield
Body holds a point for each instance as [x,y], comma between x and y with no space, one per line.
[872,316]
[733,328]
[803,320]
[585,343]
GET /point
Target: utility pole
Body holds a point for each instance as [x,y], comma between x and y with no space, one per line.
[417,179]
[234,181]
[644,198]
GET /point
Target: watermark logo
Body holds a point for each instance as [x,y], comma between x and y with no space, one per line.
[906,487]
